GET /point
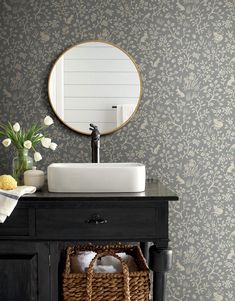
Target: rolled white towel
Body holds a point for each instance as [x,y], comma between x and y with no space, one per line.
[79,263]
[104,269]
[112,261]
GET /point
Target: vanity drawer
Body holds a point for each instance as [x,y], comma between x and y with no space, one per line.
[19,223]
[116,223]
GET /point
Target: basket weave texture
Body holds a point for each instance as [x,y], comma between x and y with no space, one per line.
[90,286]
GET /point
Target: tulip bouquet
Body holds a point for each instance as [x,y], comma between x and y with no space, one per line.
[24,140]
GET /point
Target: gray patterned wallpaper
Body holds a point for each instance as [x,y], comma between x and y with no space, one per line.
[184,130]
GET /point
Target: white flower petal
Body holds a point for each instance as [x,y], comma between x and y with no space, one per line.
[37,156]
[46,142]
[6,142]
[53,146]
[16,127]
[28,144]
[48,121]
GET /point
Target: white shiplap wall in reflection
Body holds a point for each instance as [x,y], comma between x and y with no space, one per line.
[56,87]
[97,76]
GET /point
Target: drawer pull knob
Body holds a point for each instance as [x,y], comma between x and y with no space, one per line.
[96,219]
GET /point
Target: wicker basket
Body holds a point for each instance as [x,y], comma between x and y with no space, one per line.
[90,286]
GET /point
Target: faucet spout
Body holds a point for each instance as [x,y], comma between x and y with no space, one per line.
[95,143]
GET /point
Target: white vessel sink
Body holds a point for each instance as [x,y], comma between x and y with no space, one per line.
[96,177]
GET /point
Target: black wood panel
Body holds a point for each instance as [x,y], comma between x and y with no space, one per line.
[19,223]
[72,223]
[24,271]
[18,278]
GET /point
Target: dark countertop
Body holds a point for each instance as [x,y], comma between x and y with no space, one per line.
[154,191]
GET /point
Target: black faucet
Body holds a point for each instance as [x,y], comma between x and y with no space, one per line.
[95,143]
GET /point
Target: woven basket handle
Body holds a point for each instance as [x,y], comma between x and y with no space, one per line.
[125,270]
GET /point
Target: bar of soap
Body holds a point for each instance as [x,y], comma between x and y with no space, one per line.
[7,182]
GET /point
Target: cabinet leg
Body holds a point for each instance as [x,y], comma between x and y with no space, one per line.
[159,286]
[160,261]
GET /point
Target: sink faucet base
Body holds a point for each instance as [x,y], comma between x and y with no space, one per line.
[95,143]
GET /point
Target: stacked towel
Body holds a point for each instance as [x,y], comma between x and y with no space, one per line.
[107,264]
[9,199]
[80,262]
[128,259]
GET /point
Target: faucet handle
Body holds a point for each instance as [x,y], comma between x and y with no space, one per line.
[93,127]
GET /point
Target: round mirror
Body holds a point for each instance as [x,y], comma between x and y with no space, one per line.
[94,82]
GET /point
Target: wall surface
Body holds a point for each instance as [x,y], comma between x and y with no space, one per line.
[184,129]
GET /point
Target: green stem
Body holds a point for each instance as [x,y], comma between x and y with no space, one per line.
[21,163]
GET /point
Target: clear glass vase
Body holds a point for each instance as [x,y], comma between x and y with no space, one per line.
[20,164]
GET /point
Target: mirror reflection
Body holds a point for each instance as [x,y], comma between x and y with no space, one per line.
[94,82]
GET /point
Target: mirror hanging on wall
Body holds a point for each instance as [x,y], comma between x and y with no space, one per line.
[94,82]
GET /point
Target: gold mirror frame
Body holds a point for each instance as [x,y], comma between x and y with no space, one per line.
[140,80]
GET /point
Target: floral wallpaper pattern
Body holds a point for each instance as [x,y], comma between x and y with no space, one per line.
[183,131]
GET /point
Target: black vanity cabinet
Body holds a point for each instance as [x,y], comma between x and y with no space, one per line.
[33,239]
[24,262]
[24,271]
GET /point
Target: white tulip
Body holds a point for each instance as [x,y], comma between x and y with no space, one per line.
[37,156]
[46,142]
[16,127]
[6,142]
[28,144]
[48,121]
[53,146]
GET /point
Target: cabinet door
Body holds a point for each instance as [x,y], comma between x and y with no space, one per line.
[24,271]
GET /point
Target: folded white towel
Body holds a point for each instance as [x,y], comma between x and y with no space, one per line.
[112,261]
[104,269]
[79,263]
[9,199]
[124,112]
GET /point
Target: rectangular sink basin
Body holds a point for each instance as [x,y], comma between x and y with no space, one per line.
[96,177]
